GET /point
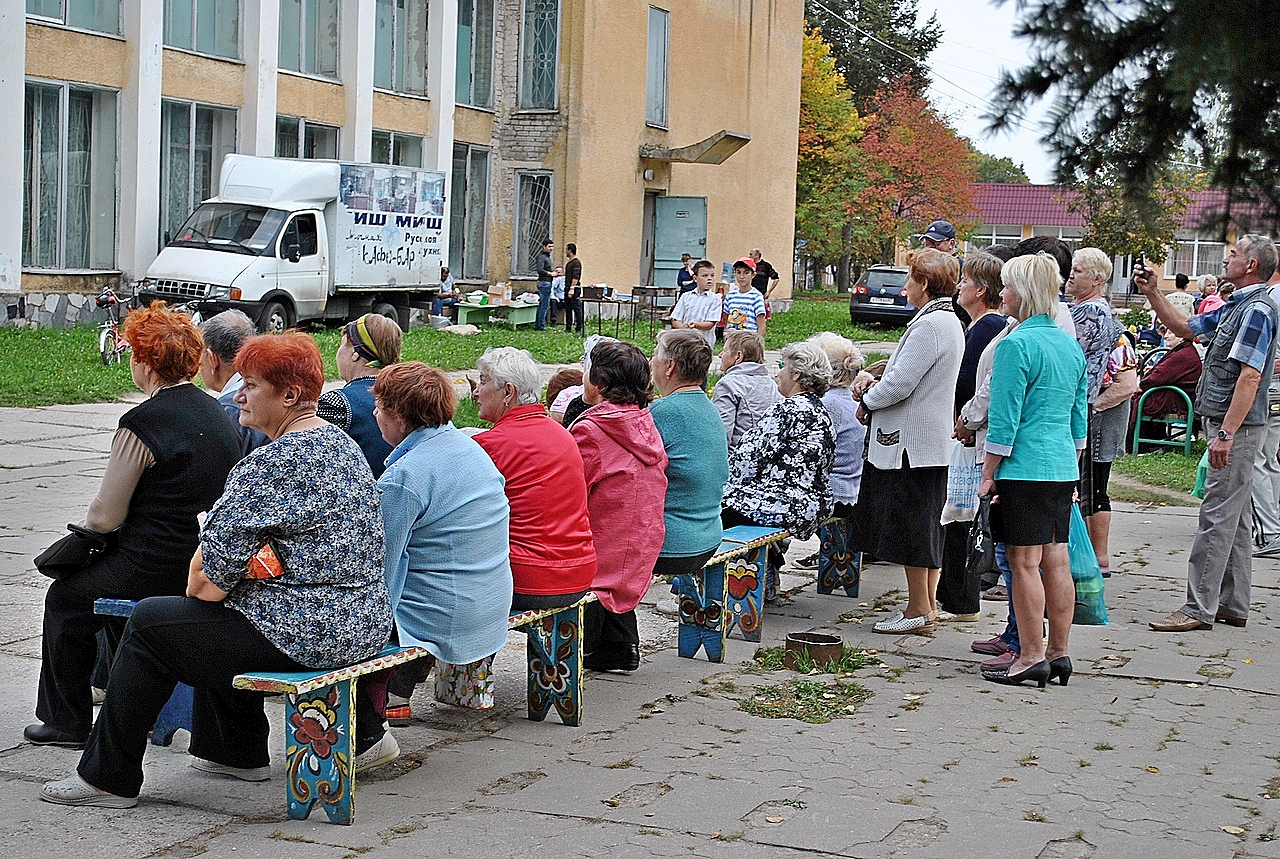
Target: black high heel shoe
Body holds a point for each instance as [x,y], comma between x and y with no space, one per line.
[1038,673]
[1060,670]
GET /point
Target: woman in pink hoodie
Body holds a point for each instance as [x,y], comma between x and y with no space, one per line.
[625,466]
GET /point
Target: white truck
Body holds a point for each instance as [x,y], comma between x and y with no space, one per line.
[291,241]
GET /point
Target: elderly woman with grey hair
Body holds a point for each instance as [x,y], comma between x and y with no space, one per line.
[904,481]
[780,470]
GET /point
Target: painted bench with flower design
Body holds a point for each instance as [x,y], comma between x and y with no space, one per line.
[320,713]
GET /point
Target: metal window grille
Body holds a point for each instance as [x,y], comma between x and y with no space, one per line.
[540,49]
[534,220]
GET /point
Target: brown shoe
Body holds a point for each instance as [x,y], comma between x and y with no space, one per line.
[1237,622]
[1179,622]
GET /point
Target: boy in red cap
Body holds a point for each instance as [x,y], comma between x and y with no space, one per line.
[743,304]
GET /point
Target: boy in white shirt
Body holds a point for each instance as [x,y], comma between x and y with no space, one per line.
[557,291]
[700,307]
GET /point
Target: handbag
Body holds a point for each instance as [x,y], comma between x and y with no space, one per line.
[1091,605]
[980,548]
[73,552]
[963,477]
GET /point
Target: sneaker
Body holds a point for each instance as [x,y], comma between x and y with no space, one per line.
[1270,550]
[808,563]
[670,604]
[74,790]
[999,592]
[242,773]
[382,752]
[950,617]
[399,710]
[98,695]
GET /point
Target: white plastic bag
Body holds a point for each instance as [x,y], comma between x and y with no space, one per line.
[963,477]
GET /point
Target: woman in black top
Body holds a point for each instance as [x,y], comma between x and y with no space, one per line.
[169,461]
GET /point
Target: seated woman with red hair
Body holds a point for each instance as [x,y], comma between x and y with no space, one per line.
[311,498]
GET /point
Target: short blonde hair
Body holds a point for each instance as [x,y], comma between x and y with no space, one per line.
[1035,278]
[749,343]
[846,358]
[1095,263]
[809,365]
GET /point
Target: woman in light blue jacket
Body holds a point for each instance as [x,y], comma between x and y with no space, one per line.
[1036,424]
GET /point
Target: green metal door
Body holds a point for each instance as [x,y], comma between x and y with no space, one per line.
[680,226]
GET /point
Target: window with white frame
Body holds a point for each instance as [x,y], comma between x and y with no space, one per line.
[69,177]
[100,15]
[309,36]
[533,220]
[400,45]
[468,195]
[298,138]
[204,26]
[987,235]
[392,147]
[1194,254]
[539,54]
[194,138]
[655,100]
[1070,235]
[474,84]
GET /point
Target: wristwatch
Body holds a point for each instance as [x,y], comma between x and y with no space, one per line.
[1223,435]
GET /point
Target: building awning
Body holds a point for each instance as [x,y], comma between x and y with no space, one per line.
[714,150]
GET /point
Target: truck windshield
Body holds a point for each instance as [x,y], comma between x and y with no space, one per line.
[232,228]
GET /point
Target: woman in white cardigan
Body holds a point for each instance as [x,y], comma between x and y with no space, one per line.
[904,483]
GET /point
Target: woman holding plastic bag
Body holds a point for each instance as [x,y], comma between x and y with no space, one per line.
[1036,425]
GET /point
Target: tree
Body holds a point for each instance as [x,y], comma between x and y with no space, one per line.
[829,172]
[918,170]
[1181,71]
[989,168]
[875,42]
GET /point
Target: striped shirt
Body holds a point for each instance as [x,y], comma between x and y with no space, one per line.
[743,309]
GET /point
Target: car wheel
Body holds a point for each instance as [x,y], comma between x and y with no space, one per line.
[275,318]
[387,309]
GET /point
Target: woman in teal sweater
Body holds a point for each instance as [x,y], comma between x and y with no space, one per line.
[1036,426]
[697,452]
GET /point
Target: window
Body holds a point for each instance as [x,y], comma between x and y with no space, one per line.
[100,15]
[467,215]
[655,93]
[475,53]
[533,220]
[193,140]
[400,46]
[539,47]
[402,150]
[1194,255]
[309,36]
[298,138]
[301,236]
[69,177]
[985,236]
[206,26]
[1070,235]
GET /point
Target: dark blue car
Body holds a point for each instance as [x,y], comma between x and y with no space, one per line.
[880,295]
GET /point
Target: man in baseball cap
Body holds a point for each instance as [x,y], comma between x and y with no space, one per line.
[942,236]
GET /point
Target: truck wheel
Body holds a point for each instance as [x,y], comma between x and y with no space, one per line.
[275,318]
[383,308]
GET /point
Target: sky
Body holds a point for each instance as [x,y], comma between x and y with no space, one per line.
[977,42]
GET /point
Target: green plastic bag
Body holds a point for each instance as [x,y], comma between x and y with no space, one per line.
[1202,474]
[1091,605]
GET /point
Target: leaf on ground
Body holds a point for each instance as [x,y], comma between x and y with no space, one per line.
[1153,769]
[775,819]
[1232,830]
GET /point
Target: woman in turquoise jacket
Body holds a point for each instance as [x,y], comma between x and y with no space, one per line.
[1036,426]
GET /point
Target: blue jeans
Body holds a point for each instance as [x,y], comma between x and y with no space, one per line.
[438,306]
[1010,634]
[544,304]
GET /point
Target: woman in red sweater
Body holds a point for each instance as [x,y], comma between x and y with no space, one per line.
[553,558]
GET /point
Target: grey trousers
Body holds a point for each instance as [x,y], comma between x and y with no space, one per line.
[1266,486]
[1220,571]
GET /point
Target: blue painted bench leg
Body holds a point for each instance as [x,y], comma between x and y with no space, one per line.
[837,565]
[176,714]
[744,593]
[320,762]
[702,613]
[554,652]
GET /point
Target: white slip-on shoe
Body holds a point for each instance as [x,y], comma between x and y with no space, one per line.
[382,752]
[901,624]
[242,773]
[74,790]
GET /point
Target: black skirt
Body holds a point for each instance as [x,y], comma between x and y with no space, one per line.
[897,515]
[1032,512]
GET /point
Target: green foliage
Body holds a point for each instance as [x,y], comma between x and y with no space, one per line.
[45,366]
[876,41]
[1136,317]
[851,659]
[807,700]
[1169,469]
[992,169]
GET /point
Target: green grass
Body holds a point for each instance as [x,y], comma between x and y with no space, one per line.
[46,366]
[807,700]
[851,659]
[1169,469]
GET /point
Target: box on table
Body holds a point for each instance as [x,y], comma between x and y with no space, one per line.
[500,294]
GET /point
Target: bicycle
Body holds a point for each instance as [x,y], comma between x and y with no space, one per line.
[111,343]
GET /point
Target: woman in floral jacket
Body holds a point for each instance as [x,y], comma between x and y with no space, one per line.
[780,470]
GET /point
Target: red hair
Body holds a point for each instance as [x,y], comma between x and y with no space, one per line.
[165,341]
[420,395]
[281,360]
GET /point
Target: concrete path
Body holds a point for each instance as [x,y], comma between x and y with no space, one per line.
[1164,744]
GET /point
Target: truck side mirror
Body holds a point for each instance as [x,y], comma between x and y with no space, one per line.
[292,252]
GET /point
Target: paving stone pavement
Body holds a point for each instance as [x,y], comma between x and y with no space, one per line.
[1161,742]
